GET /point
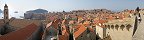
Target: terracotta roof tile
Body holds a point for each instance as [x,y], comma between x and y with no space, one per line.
[111,18]
[78,26]
[79,32]
[86,23]
[55,23]
[21,34]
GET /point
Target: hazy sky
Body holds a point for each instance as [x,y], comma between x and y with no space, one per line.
[59,5]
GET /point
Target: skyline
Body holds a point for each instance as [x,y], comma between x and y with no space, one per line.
[68,5]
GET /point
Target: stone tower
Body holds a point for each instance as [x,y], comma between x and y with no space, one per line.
[6,13]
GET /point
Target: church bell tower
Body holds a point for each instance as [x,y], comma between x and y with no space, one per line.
[6,13]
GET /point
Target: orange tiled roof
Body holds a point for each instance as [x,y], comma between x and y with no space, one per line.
[96,20]
[79,32]
[86,23]
[110,17]
[55,23]
[21,34]
[121,16]
[78,26]
[102,21]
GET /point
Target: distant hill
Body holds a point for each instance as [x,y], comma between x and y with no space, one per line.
[37,11]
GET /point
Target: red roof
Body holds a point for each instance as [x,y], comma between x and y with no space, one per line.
[86,23]
[21,34]
[79,32]
[110,17]
[55,23]
[102,21]
[121,16]
[77,27]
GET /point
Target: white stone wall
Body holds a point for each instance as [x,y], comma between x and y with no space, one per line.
[99,30]
[120,34]
[139,34]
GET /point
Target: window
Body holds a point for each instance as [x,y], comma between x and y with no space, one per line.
[112,26]
[128,27]
[108,26]
[122,27]
[116,26]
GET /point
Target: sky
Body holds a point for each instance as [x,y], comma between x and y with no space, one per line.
[67,5]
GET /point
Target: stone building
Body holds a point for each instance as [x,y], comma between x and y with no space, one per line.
[84,33]
[6,13]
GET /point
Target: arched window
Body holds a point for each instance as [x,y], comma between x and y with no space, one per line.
[112,26]
[108,26]
[122,26]
[116,26]
[128,27]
